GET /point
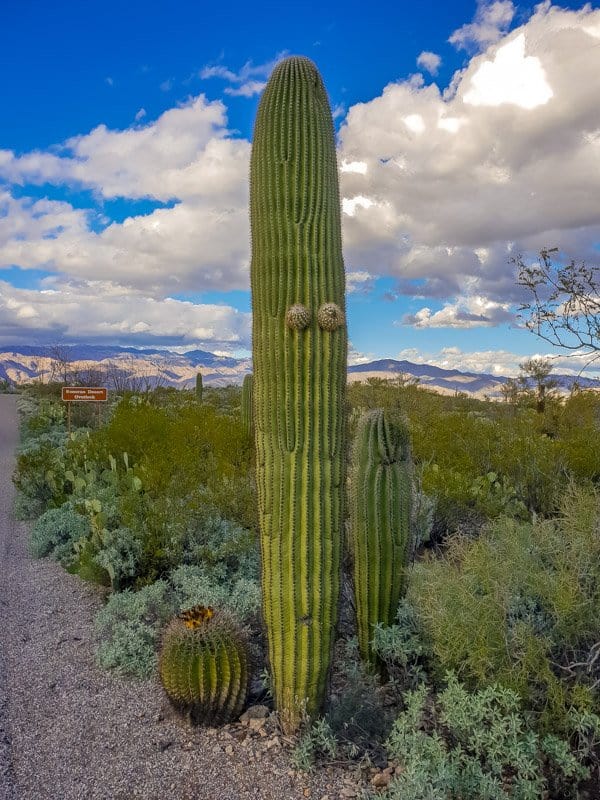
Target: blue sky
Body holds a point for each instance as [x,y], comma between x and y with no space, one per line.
[467,133]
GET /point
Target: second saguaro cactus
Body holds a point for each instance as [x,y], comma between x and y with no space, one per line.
[380,520]
[299,356]
[199,387]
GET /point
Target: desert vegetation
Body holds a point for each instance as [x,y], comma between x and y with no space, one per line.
[411,580]
[491,660]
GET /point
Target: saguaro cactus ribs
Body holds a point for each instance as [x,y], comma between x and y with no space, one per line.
[299,354]
[380,514]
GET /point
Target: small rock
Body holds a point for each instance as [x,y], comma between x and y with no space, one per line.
[254,713]
[306,792]
[381,780]
[347,791]
[273,741]
[255,723]
[229,750]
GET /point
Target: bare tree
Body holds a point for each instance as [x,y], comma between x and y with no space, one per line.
[129,375]
[61,368]
[564,309]
[511,390]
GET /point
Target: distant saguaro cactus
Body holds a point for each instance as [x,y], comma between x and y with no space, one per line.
[247,413]
[199,387]
[299,355]
[380,518]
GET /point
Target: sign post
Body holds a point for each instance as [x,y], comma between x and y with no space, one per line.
[83,394]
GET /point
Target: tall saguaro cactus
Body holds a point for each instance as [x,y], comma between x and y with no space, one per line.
[380,514]
[199,387]
[247,413]
[299,354]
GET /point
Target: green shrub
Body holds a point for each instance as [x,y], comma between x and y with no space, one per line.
[358,714]
[38,473]
[120,555]
[129,624]
[186,530]
[459,442]
[55,532]
[193,585]
[475,746]
[318,741]
[40,417]
[518,606]
[403,647]
[128,628]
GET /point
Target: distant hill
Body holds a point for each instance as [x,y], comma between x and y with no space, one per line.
[116,366]
[450,381]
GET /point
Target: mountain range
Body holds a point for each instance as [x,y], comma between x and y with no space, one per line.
[123,367]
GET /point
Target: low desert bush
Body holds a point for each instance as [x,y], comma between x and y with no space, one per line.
[55,532]
[476,746]
[520,606]
[129,625]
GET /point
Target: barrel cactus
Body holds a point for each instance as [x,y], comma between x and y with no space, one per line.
[247,404]
[380,519]
[203,665]
[299,356]
[199,387]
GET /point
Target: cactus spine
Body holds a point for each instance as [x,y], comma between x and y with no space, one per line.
[199,387]
[203,665]
[380,514]
[247,413]
[299,379]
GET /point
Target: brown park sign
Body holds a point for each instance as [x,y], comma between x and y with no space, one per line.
[85,394]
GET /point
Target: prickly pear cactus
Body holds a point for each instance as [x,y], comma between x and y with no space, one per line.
[299,356]
[247,413]
[203,665]
[380,517]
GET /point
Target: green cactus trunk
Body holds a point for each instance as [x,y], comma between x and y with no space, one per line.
[380,513]
[299,354]
[199,387]
[247,413]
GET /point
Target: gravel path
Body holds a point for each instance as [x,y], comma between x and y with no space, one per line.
[69,731]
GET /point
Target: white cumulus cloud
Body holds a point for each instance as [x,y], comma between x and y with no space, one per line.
[185,156]
[492,362]
[504,162]
[492,21]
[246,82]
[94,310]
[429,61]
[467,312]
